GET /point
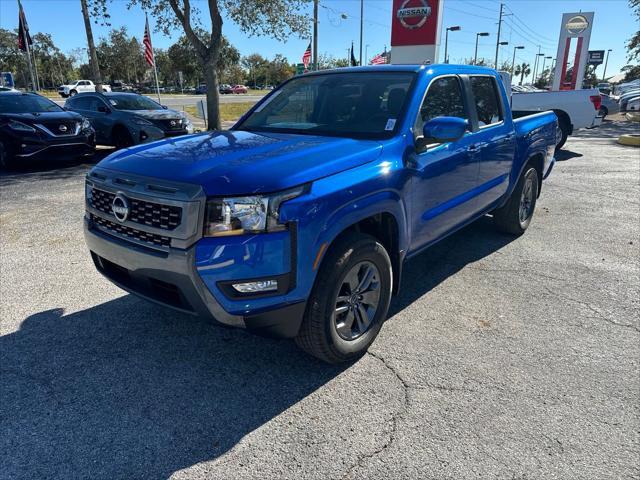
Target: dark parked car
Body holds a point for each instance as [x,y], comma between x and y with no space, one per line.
[33,127]
[225,89]
[201,89]
[125,119]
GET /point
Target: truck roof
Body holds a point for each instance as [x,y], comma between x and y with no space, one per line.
[434,68]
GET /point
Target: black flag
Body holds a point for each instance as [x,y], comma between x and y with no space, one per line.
[354,62]
[23,30]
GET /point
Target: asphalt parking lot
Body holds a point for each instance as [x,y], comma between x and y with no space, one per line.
[502,358]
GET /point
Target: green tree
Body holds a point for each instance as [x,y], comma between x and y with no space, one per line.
[256,66]
[53,65]
[121,57]
[275,18]
[522,70]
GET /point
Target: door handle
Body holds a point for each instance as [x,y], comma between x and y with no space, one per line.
[476,147]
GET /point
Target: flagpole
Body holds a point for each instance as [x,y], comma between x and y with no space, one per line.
[153,56]
[35,69]
[155,72]
[26,43]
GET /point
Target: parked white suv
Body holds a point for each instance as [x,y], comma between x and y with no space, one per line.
[79,86]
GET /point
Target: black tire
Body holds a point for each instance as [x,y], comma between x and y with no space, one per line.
[509,218]
[604,111]
[563,126]
[6,161]
[319,335]
[121,138]
[73,93]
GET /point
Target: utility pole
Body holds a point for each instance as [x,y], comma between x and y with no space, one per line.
[315,34]
[495,64]
[604,74]
[361,28]
[93,57]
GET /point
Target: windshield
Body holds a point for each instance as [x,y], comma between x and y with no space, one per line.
[364,104]
[26,104]
[133,102]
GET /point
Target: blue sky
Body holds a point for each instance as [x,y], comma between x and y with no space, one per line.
[535,22]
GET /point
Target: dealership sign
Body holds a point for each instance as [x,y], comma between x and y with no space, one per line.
[415,31]
[596,57]
[577,24]
[413,17]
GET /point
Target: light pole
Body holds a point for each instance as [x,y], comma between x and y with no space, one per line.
[366,54]
[513,62]
[535,67]
[455,28]
[501,44]
[478,35]
[361,28]
[604,74]
[544,62]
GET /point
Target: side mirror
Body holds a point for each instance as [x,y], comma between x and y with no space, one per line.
[164,106]
[444,129]
[104,109]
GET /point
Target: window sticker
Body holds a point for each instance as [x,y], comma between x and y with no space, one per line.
[390,124]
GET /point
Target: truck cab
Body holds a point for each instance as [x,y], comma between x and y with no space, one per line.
[297,221]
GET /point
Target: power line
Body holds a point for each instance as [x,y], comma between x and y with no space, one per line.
[527,27]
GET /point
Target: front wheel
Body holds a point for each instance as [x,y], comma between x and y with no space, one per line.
[73,93]
[349,301]
[516,215]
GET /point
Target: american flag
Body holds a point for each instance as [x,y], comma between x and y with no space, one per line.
[379,59]
[148,49]
[306,56]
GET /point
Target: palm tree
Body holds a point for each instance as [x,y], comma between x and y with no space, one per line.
[93,56]
[522,70]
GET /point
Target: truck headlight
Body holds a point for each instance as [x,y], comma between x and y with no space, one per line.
[250,214]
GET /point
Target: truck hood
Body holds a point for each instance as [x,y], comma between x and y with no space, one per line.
[39,117]
[164,114]
[238,162]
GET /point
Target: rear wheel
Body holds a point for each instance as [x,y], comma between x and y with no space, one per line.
[563,133]
[515,217]
[349,301]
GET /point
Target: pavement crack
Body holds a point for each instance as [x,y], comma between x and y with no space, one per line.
[598,315]
[394,419]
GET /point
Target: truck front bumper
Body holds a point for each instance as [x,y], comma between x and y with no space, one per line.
[171,279]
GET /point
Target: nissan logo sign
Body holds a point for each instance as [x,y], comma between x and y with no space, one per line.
[409,14]
[62,128]
[172,123]
[577,24]
[120,207]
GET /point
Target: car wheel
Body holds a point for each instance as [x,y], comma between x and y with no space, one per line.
[349,301]
[73,93]
[603,112]
[563,133]
[515,217]
[5,161]
[122,138]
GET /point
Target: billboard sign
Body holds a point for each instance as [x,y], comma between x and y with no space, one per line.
[415,31]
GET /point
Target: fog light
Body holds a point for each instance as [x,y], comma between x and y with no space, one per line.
[257,287]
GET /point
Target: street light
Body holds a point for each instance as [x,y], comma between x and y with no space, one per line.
[478,35]
[535,67]
[604,74]
[446,40]
[544,62]
[500,44]
[513,62]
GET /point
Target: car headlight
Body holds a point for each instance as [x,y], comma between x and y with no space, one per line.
[86,124]
[250,214]
[141,121]
[20,127]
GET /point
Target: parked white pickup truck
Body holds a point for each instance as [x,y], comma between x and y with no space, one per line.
[575,109]
[80,86]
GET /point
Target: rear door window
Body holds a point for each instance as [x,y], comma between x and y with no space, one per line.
[487,100]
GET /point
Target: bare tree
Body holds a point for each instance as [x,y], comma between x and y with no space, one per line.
[276,18]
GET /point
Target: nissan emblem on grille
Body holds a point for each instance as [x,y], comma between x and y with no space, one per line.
[62,128]
[172,123]
[120,207]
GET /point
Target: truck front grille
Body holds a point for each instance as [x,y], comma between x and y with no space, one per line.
[166,217]
[150,239]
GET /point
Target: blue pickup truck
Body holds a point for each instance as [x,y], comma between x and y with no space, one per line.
[298,220]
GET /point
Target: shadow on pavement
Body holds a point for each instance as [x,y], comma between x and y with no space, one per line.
[129,390]
[51,170]
[564,154]
[423,273]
